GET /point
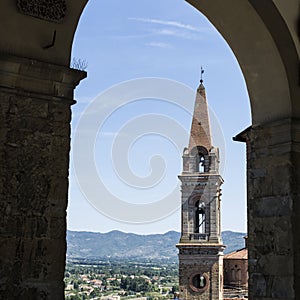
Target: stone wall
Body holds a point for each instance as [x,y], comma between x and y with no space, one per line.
[211,265]
[35,116]
[273,207]
[206,188]
[240,268]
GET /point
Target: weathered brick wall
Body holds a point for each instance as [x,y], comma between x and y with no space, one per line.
[235,264]
[200,134]
[211,265]
[207,189]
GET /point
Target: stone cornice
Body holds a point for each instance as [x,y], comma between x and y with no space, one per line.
[43,79]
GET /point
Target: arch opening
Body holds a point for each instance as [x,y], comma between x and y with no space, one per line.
[201,215]
[200,218]
[209,81]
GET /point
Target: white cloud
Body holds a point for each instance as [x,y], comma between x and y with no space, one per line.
[169,23]
[174,28]
[177,33]
[159,45]
[167,28]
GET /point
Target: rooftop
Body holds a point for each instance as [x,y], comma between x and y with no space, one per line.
[239,254]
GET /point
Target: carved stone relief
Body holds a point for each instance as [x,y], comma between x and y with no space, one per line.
[50,10]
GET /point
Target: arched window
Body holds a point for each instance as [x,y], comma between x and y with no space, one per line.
[239,275]
[200,217]
[201,163]
[200,156]
[233,278]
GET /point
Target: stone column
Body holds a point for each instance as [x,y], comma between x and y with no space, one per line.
[273,163]
[35,100]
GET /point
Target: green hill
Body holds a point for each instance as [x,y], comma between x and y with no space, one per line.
[233,240]
[118,245]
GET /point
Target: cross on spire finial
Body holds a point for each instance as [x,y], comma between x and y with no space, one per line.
[202,71]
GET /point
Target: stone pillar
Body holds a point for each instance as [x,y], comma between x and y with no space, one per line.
[273,161]
[35,100]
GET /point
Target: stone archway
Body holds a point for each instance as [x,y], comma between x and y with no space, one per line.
[266,45]
[36,91]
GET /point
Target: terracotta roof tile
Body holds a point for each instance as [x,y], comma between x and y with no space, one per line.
[239,254]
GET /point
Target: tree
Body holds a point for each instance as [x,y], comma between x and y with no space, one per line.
[175,289]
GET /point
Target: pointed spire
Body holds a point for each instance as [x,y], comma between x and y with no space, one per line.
[200,131]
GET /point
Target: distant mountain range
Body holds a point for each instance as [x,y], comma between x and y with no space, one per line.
[118,245]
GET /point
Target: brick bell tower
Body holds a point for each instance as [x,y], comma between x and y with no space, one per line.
[200,246]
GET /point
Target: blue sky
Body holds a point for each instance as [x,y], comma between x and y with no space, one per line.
[125,41]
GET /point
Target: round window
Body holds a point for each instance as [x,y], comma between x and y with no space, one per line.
[199,282]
